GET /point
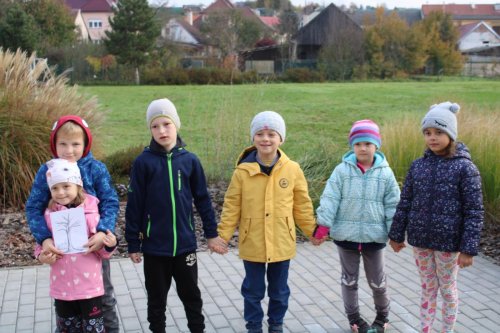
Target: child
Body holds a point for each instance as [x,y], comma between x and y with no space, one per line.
[76,281]
[357,205]
[164,181]
[442,211]
[267,196]
[71,139]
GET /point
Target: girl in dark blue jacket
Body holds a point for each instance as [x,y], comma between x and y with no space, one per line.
[441,210]
[164,181]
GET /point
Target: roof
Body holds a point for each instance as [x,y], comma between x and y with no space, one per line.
[192,30]
[271,21]
[90,6]
[466,29]
[409,15]
[218,5]
[463,11]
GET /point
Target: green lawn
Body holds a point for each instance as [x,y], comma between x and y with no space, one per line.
[216,119]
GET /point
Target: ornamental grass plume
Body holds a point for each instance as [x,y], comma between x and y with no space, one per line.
[31,99]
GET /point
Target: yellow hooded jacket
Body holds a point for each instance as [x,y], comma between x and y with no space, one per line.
[266,209]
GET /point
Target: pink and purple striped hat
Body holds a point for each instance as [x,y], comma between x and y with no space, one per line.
[365,131]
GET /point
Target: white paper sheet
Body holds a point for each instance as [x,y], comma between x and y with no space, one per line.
[69,230]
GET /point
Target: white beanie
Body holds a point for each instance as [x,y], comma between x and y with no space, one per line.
[268,120]
[442,116]
[63,171]
[162,107]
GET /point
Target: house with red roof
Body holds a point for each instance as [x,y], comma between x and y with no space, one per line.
[466,14]
[91,18]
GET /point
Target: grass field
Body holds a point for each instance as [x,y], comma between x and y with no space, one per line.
[215,119]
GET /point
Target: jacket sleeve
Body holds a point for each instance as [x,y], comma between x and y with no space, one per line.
[231,210]
[303,211]
[472,209]
[391,199]
[109,204]
[400,219]
[35,206]
[330,199]
[135,206]
[202,200]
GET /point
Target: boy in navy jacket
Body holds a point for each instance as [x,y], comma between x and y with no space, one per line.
[164,181]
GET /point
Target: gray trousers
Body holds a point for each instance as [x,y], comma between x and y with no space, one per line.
[111,323]
[373,262]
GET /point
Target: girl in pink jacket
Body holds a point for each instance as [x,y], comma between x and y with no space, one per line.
[76,281]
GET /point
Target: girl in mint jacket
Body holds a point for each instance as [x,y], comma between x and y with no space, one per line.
[357,207]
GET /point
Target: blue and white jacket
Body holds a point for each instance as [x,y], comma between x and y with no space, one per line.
[159,215]
[359,207]
[96,181]
[441,204]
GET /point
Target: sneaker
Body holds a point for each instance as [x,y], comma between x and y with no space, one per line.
[381,323]
[358,324]
[275,328]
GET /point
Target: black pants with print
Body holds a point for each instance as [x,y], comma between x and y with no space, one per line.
[158,272]
[84,315]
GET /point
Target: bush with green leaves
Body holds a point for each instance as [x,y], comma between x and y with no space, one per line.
[31,99]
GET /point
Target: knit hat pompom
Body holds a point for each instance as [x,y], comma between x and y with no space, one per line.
[63,171]
[268,120]
[443,116]
[365,130]
[162,107]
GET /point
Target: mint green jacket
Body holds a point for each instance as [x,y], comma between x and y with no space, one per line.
[359,207]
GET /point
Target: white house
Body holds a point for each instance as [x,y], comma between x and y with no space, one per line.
[477,35]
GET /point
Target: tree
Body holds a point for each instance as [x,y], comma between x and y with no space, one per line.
[133,35]
[230,32]
[55,22]
[392,47]
[441,48]
[288,26]
[17,28]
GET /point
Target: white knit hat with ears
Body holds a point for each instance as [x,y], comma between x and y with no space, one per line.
[162,108]
[268,120]
[442,116]
[63,171]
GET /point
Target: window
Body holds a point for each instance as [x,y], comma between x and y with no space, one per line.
[95,24]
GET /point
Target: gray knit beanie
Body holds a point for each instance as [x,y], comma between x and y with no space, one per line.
[442,116]
[162,107]
[268,120]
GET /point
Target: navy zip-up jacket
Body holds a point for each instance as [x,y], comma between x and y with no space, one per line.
[441,205]
[159,215]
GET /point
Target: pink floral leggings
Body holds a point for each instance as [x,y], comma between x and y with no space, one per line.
[438,271]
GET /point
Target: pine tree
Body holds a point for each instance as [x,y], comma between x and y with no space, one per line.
[133,35]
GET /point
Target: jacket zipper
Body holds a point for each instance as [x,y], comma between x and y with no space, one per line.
[172,197]
[179,183]
[148,229]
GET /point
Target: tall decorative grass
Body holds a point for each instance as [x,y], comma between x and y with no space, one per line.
[31,99]
[477,128]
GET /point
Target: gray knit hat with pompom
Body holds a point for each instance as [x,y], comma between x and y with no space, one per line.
[442,116]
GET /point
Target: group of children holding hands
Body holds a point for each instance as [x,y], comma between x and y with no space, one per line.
[439,211]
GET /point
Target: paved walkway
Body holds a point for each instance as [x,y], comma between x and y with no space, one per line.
[315,303]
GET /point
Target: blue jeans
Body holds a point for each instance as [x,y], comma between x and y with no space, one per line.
[253,290]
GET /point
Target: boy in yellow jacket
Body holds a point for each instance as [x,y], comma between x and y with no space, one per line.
[266,198]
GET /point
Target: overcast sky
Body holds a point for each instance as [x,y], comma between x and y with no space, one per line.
[374,3]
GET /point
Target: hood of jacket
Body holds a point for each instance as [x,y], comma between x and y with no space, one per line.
[380,160]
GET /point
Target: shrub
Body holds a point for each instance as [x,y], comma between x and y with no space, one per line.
[28,108]
[120,163]
[403,143]
[177,76]
[199,75]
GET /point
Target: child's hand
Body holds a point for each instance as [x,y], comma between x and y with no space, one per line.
[465,260]
[95,243]
[110,239]
[397,246]
[217,245]
[49,247]
[317,241]
[135,257]
[47,257]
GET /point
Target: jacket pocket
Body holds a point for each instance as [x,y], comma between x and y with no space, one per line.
[244,230]
[291,228]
